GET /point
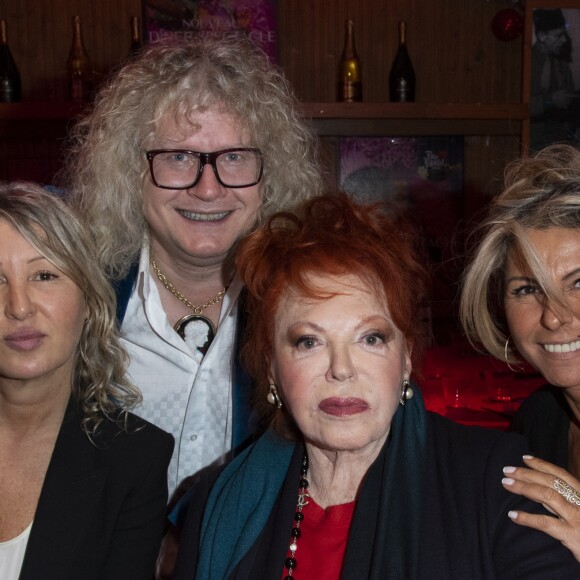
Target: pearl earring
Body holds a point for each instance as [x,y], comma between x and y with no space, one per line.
[273,398]
[406,392]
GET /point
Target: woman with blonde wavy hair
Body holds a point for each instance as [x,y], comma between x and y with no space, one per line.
[82,481]
[520,301]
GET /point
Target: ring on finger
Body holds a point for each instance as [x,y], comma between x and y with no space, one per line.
[567,492]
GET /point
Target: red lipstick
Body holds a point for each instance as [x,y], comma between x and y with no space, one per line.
[343,406]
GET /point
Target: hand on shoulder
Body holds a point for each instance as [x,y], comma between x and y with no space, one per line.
[557,490]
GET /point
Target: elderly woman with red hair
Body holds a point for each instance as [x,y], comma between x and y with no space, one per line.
[354,478]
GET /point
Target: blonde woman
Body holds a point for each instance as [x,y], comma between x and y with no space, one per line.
[83,482]
[521,302]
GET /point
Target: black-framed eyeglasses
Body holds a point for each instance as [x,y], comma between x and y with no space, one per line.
[181,169]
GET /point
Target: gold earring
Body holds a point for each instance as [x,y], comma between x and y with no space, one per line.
[505,355]
[273,397]
[406,392]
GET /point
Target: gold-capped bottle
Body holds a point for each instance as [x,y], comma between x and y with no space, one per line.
[10,87]
[136,42]
[402,76]
[349,74]
[79,68]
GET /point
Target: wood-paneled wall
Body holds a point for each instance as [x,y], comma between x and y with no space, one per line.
[40,36]
[456,56]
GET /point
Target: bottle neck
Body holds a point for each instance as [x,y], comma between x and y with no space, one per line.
[3,37]
[349,50]
[77,35]
[135,32]
[402,33]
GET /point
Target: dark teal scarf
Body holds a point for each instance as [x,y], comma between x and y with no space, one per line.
[388,509]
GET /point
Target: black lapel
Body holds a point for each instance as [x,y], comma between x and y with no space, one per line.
[362,539]
[66,505]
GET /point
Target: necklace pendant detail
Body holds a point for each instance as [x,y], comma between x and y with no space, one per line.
[197,331]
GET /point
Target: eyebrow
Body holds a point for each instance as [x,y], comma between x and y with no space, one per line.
[37,258]
[520,279]
[565,278]
[364,321]
[571,274]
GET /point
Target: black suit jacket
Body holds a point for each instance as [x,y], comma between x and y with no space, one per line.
[465,531]
[544,419]
[101,509]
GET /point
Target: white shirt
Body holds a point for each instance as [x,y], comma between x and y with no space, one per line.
[12,555]
[189,399]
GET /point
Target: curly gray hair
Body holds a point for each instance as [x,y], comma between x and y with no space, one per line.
[107,164]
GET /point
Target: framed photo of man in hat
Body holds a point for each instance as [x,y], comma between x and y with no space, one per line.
[551,72]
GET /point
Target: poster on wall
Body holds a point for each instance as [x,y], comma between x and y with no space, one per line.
[189,18]
[422,176]
[552,71]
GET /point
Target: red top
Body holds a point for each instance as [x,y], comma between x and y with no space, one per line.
[322,544]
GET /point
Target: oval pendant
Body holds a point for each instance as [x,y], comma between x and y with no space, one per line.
[197,331]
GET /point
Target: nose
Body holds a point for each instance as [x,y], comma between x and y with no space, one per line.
[207,188]
[341,367]
[555,315]
[18,302]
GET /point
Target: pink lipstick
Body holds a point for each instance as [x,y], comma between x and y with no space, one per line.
[24,340]
[343,406]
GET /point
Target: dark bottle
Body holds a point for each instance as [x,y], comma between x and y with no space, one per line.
[10,87]
[349,73]
[402,76]
[136,42]
[79,69]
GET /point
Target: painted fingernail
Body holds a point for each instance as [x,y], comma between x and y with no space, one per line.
[513,515]
[528,456]
[509,469]
[507,481]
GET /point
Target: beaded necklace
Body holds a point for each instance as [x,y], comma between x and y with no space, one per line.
[290,562]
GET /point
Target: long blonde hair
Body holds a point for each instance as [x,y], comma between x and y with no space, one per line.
[541,191]
[99,381]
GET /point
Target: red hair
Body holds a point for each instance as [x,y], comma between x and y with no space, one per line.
[331,236]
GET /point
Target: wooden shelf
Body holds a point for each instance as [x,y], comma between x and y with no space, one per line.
[345,118]
[37,120]
[39,111]
[394,119]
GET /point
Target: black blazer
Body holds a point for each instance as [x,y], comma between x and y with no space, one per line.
[465,532]
[544,419]
[101,509]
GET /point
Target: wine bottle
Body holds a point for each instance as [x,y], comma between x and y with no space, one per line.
[349,76]
[10,87]
[80,72]
[136,43]
[402,76]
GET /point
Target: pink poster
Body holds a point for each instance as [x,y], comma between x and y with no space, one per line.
[186,18]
